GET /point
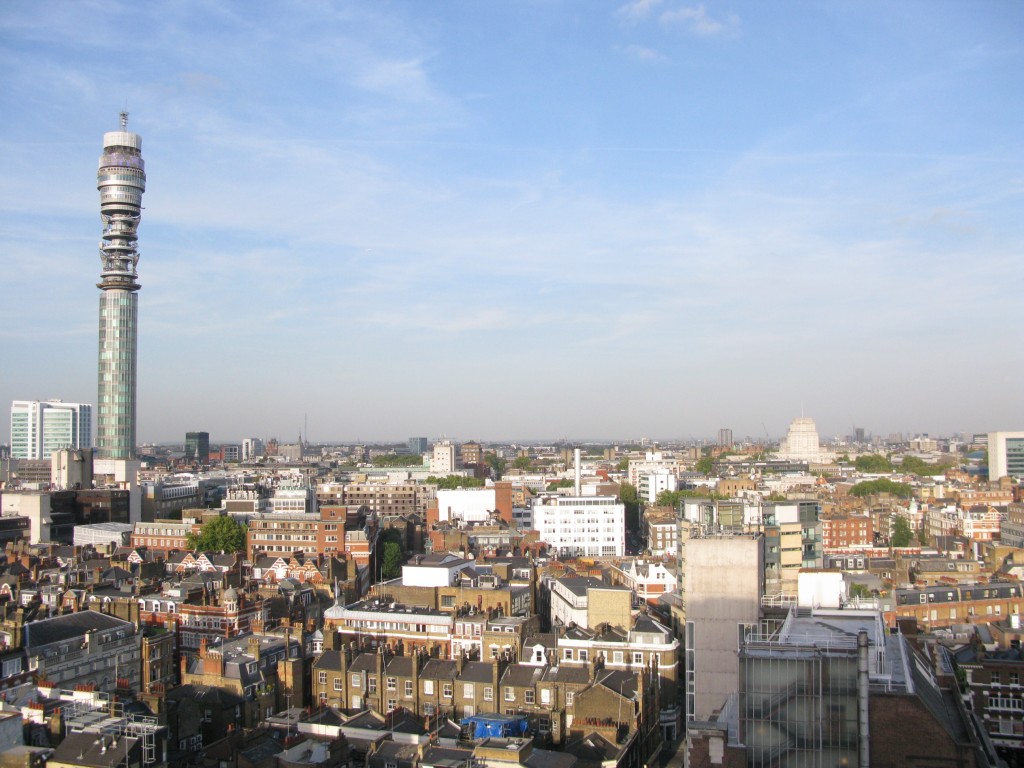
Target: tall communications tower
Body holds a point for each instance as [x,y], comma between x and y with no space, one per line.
[121,180]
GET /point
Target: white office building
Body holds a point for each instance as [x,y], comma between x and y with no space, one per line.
[1005,455]
[651,484]
[468,505]
[252,448]
[581,526]
[443,463]
[40,427]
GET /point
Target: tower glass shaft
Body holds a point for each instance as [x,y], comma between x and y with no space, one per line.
[121,180]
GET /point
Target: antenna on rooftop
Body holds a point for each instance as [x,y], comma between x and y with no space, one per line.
[124,119]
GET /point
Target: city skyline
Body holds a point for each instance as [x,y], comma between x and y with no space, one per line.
[647,218]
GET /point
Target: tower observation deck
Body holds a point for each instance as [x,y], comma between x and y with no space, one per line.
[121,180]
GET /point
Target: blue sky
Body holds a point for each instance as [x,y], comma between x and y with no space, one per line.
[543,218]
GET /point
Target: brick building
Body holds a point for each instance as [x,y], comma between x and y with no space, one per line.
[847,531]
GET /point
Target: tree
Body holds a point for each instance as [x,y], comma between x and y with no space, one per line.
[622,466]
[901,533]
[627,493]
[882,485]
[873,463]
[390,552]
[705,464]
[451,482]
[631,501]
[522,462]
[668,499]
[915,466]
[398,460]
[859,590]
[556,484]
[496,463]
[222,534]
[391,561]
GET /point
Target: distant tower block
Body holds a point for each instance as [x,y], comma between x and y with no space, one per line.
[121,180]
[725,438]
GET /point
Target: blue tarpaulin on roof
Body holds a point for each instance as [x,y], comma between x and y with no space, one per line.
[496,725]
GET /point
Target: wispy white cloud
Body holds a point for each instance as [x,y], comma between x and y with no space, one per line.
[698,21]
[637,10]
[642,53]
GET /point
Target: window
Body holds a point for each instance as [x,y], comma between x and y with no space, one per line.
[467,690]
[429,709]
[584,654]
[408,689]
[569,696]
[545,696]
[446,690]
[995,679]
[567,654]
[638,657]
[529,697]
[510,694]
[447,601]
[372,685]
[428,687]
[488,693]
[391,705]
[355,681]
[321,677]
[392,684]
[337,683]
[617,657]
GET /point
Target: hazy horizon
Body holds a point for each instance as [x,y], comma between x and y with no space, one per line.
[560,218]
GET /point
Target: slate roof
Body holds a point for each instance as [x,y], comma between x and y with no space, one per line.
[618,681]
[521,675]
[546,758]
[547,639]
[328,660]
[86,749]
[439,669]
[476,672]
[399,666]
[368,718]
[647,624]
[204,693]
[593,748]
[364,662]
[579,585]
[70,626]
[446,757]
[395,751]
[566,673]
